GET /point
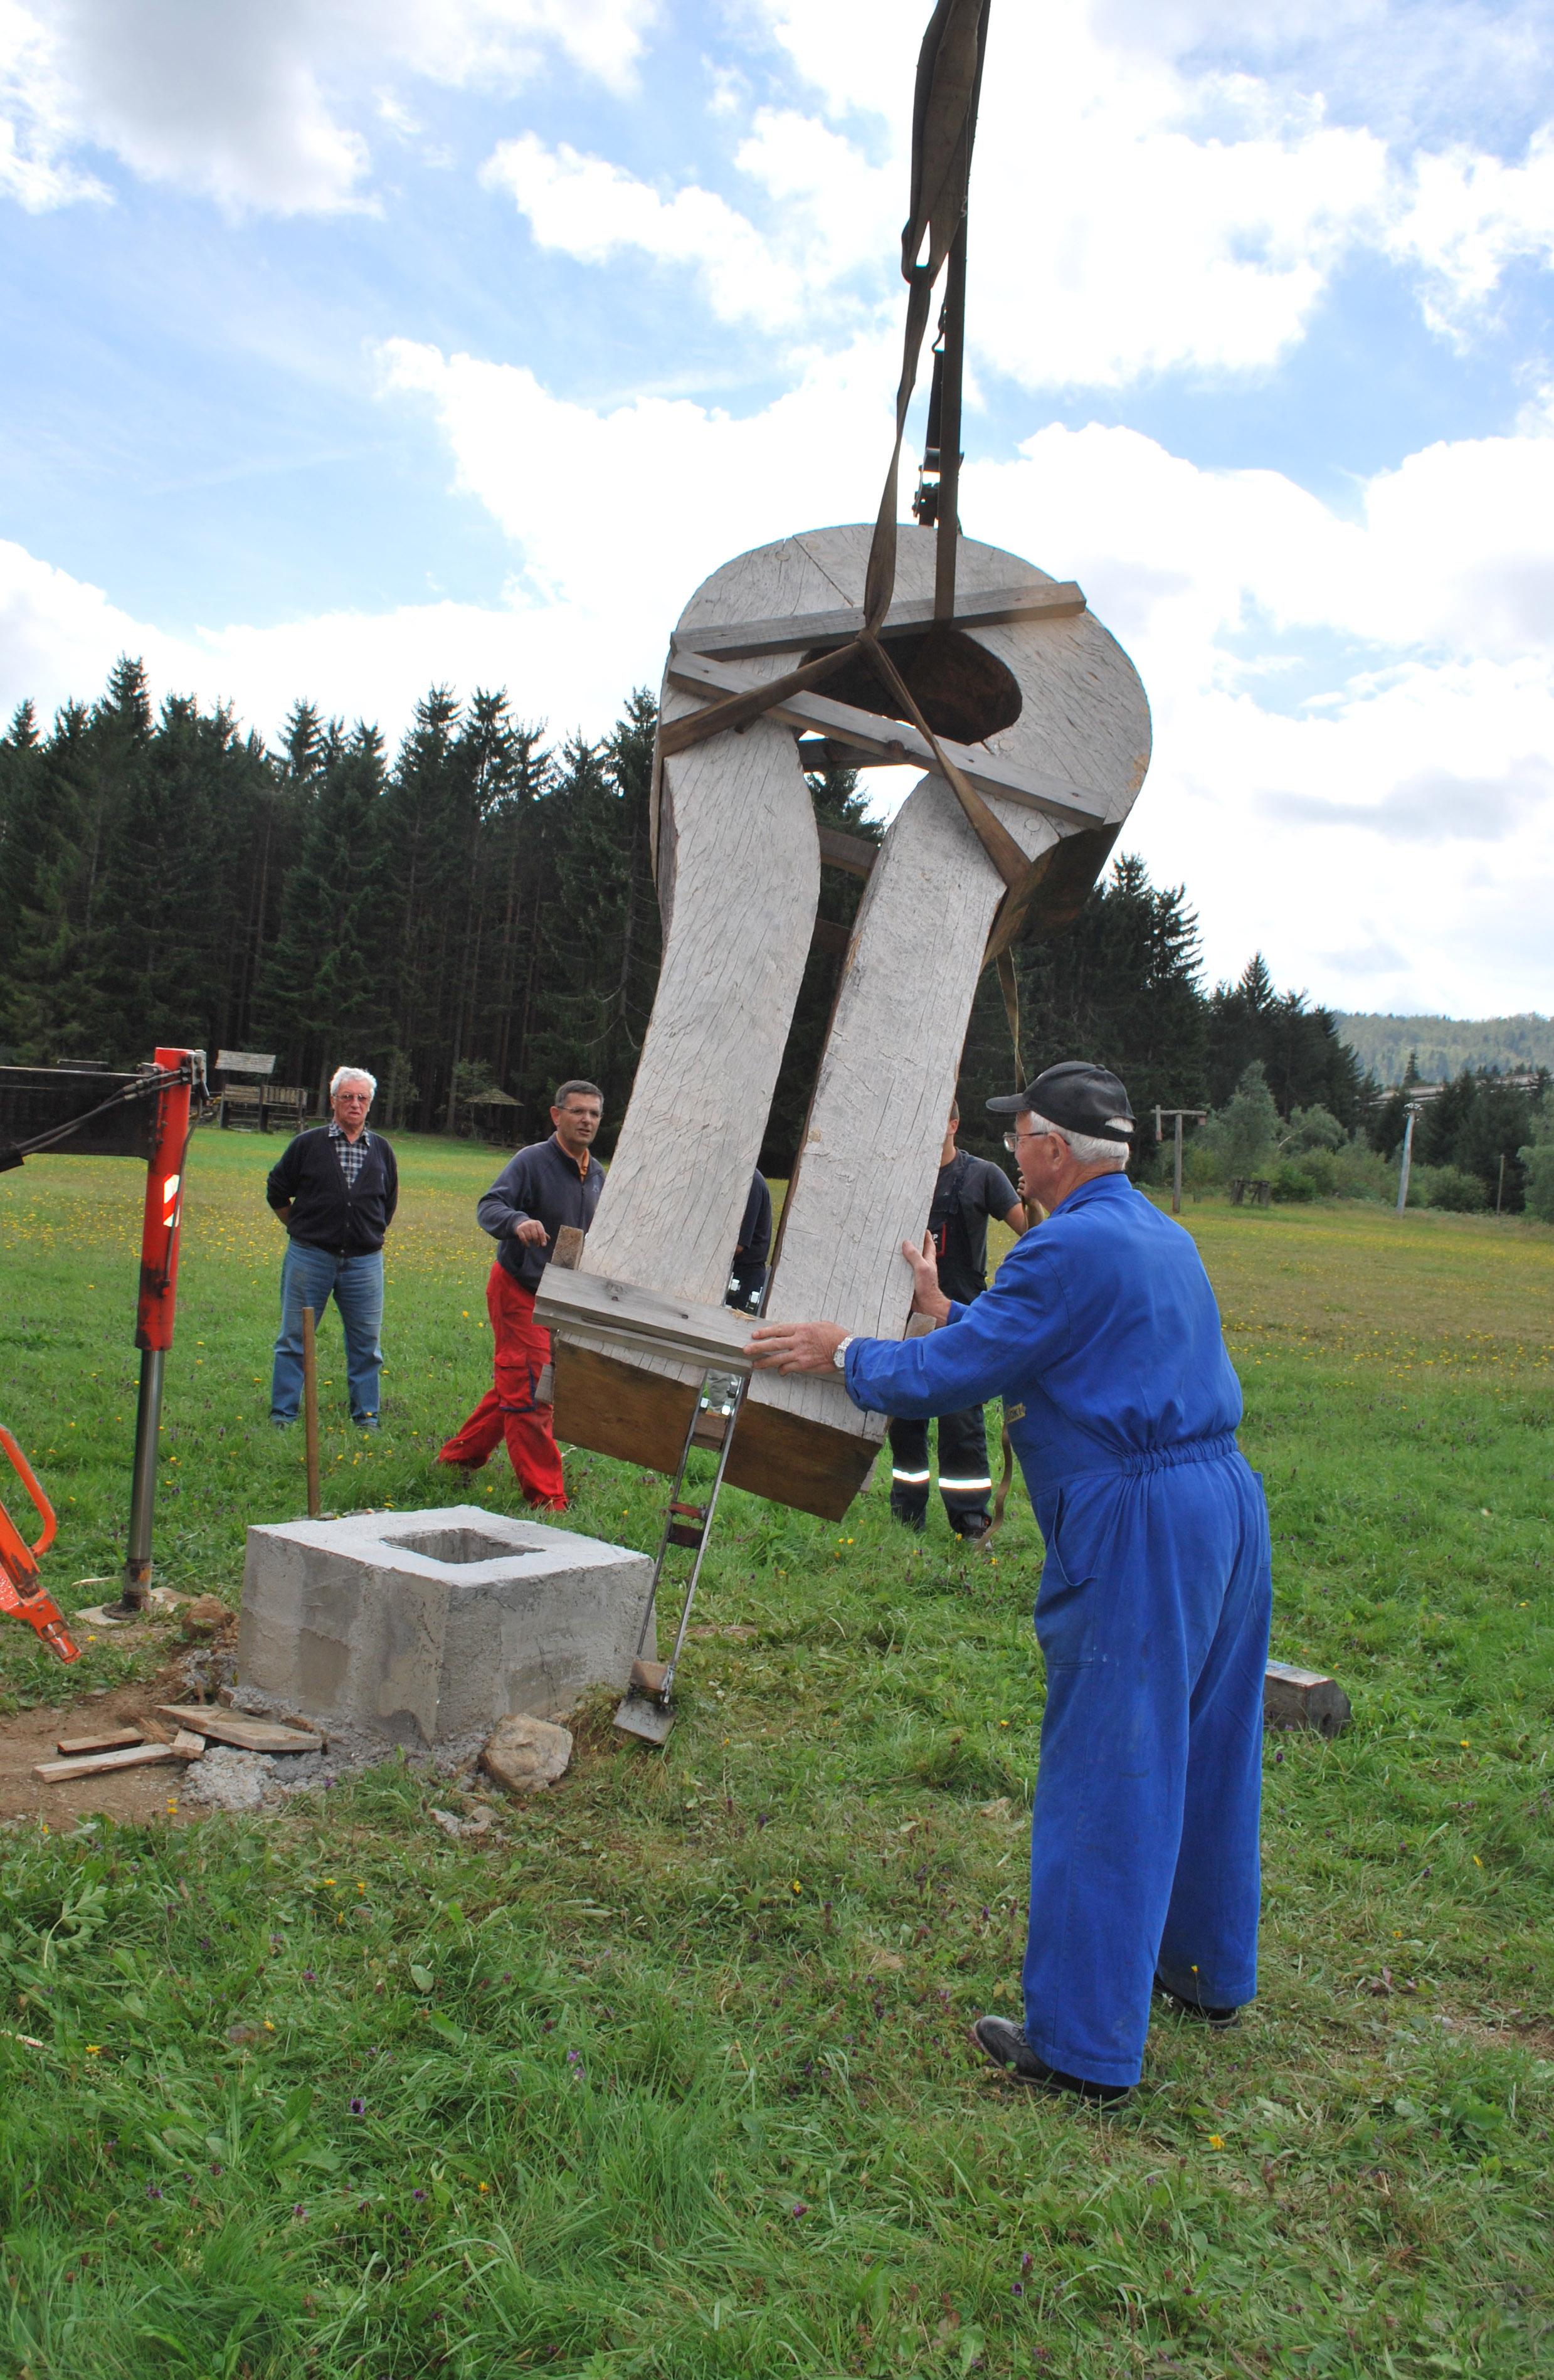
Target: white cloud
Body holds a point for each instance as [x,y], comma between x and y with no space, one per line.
[250,105]
[593,210]
[1469,217]
[1390,838]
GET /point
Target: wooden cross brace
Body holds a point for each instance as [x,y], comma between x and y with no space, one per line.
[702,660]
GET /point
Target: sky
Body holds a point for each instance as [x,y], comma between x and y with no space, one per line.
[352,345]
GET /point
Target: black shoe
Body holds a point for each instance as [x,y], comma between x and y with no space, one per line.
[1219,2020]
[972,1526]
[1006,2045]
[916,1522]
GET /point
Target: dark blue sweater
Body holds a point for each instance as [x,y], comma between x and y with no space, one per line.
[347,1217]
[540,1185]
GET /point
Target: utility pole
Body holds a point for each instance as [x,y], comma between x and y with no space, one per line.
[1499,1186]
[1407,1158]
[1198,1115]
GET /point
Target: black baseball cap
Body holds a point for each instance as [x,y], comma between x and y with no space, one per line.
[1079,1097]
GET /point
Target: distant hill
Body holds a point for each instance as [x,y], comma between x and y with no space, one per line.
[1444,1045]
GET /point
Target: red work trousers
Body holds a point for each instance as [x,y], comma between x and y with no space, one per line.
[508,1410]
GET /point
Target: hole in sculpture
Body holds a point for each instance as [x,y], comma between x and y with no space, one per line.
[964,692]
[457,1546]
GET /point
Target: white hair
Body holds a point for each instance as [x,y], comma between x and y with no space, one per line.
[1086,1147]
[352,1074]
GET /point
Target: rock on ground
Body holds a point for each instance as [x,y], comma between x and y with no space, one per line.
[227,1780]
[527,1754]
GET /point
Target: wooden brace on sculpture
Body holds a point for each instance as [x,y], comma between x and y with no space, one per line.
[1051,729]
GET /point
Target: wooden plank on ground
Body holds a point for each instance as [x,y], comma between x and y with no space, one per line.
[1057,599]
[1055,798]
[110,1739]
[188,1745]
[94,1763]
[237,1728]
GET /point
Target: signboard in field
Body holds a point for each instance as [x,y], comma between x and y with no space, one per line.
[244,1062]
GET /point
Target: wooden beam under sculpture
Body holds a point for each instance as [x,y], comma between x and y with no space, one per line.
[1051,728]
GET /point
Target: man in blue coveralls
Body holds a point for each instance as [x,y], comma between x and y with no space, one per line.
[1101,1335]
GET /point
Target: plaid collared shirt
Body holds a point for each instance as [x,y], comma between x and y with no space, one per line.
[352,1153]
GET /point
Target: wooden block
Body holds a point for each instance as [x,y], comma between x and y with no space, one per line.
[188,1745]
[1055,798]
[1304,1698]
[712,1336]
[795,1460]
[568,1249]
[237,1728]
[134,1755]
[1054,599]
[113,1739]
[852,852]
[614,1406]
[647,1677]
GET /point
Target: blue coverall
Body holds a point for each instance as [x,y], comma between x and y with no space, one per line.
[1101,1335]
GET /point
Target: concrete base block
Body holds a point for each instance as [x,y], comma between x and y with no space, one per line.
[424,1628]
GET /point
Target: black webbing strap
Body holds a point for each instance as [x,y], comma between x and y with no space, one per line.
[944,129]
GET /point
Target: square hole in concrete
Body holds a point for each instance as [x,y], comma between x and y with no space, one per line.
[458,1546]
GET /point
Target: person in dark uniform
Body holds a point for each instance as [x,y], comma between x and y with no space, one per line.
[748,1278]
[968,1191]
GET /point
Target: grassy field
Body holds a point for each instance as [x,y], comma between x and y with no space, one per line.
[668,2075]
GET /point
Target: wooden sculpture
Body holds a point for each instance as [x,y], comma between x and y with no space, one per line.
[739,857]
[913,645]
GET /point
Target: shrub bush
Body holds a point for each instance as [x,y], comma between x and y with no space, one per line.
[1292,1184]
[1458,1193]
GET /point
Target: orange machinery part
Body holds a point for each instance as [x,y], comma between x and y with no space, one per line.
[22,1590]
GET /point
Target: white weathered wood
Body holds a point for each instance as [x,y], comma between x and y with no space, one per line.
[896,741]
[866,1174]
[96,1764]
[248,1734]
[111,1738]
[591,1305]
[738,868]
[1052,598]
[739,872]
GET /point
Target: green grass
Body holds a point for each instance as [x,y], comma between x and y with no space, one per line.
[672,2078]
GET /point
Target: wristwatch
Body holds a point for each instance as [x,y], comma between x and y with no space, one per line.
[840,1355]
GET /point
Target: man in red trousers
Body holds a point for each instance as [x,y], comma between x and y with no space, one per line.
[550,1183]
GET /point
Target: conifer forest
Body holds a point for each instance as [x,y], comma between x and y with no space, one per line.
[476,913]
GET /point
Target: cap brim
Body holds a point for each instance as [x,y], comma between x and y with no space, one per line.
[1016,1103]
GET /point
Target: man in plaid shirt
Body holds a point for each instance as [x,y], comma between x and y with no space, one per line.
[335,1189]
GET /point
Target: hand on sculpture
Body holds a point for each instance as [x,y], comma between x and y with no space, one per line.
[927,1295]
[797,1346]
[533,1234]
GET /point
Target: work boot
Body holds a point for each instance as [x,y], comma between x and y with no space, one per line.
[1005,2044]
[972,1526]
[1219,2020]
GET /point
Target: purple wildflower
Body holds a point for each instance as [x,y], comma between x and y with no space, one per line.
[419,2196]
[358,2106]
[1025,2262]
[1018,2289]
[215,2169]
[151,2190]
[300,2211]
[573,2057]
[308,1976]
[800,2207]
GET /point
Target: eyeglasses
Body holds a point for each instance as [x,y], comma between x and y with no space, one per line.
[1012,1139]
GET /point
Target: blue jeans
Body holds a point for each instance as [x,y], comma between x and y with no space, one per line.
[309,1276]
